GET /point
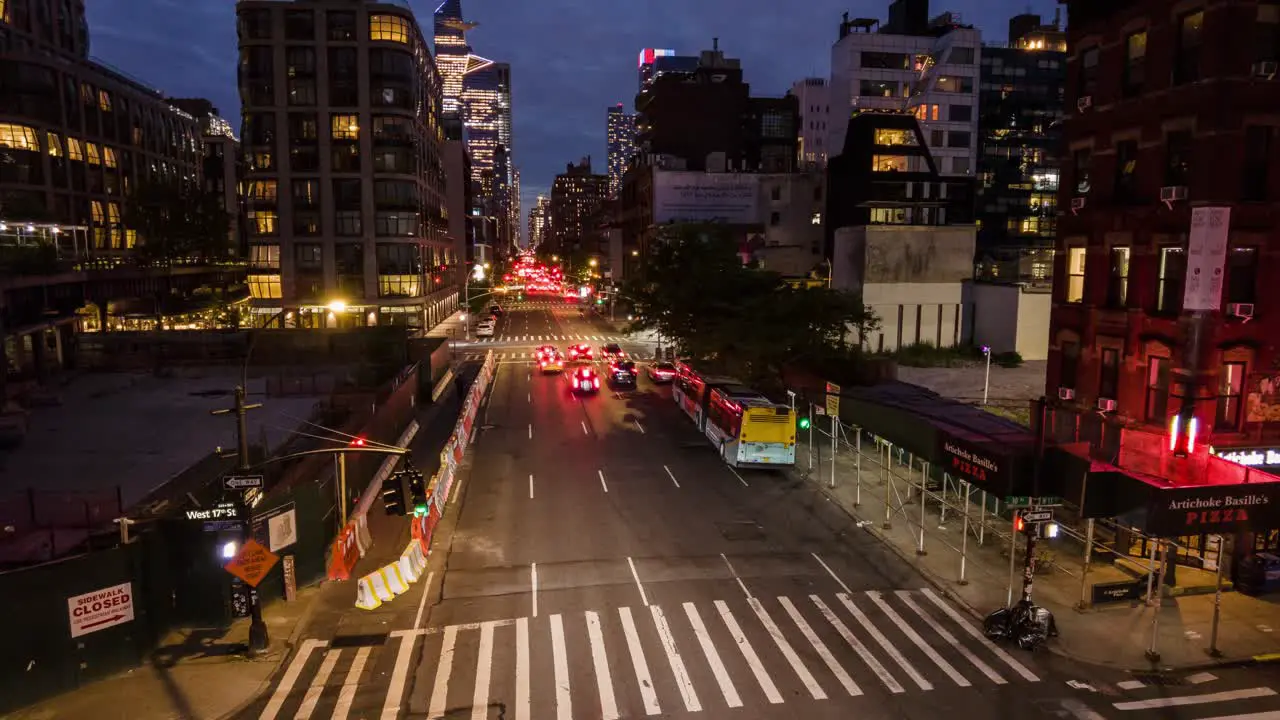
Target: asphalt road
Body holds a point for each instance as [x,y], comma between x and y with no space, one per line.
[599,561]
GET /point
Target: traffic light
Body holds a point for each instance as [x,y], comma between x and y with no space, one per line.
[1019,524]
[417,492]
[394,494]
[804,423]
[357,442]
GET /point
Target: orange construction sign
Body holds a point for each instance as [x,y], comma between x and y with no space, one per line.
[252,563]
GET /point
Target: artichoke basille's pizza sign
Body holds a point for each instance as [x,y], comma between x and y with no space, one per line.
[1222,508]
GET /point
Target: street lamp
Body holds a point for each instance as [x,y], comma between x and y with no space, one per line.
[986,382]
[593,262]
[337,306]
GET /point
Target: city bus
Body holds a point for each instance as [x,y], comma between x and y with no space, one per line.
[691,389]
[749,429]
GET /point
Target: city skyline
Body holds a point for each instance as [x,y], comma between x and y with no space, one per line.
[555,120]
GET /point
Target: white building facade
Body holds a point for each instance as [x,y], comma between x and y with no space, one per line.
[935,76]
[814,96]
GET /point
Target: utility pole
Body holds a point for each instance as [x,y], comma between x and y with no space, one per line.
[258,639]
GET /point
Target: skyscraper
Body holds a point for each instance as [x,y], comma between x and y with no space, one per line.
[486,111]
[452,51]
[577,196]
[622,145]
[514,203]
[539,219]
[345,185]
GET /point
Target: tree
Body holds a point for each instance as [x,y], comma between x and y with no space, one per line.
[178,220]
[695,290]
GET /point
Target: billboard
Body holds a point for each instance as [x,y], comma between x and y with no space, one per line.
[680,196]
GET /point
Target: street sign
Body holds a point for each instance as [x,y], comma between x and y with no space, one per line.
[833,399]
[1018,501]
[241,482]
[100,609]
[252,563]
[1026,501]
[1123,591]
[1048,501]
[1032,516]
[221,511]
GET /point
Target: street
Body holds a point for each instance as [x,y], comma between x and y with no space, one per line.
[598,560]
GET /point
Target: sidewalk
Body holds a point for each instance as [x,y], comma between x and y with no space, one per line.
[1116,635]
[194,674]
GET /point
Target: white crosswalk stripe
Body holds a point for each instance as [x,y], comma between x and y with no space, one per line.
[796,650]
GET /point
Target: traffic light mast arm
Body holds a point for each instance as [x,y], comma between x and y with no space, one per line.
[344,449]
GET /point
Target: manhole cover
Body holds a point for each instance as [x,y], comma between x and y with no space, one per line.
[742,530]
[352,641]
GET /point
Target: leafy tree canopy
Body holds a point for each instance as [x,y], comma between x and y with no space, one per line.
[695,290]
[178,220]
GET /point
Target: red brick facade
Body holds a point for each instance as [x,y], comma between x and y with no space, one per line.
[1193,113]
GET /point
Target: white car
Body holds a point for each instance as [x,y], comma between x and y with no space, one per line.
[485,329]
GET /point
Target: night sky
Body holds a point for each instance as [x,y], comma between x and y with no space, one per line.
[570,59]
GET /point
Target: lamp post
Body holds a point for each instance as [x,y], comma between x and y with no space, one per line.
[986,382]
[258,636]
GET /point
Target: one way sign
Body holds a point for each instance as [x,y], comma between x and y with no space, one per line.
[241,482]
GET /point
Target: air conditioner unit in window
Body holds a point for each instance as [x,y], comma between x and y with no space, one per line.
[1170,194]
[1077,204]
[1084,103]
[1265,69]
[1106,405]
[1240,310]
[1065,393]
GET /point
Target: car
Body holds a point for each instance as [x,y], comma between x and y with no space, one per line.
[622,373]
[661,371]
[486,329]
[581,351]
[546,350]
[612,351]
[584,380]
[495,310]
[551,363]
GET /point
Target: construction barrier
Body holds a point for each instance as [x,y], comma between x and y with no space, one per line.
[346,552]
[396,578]
[353,541]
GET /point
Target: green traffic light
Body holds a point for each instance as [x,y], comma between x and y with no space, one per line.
[804,423]
[420,511]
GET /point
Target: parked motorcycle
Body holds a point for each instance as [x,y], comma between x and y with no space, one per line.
[1027,624]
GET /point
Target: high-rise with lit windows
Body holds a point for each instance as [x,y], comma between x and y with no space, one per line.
[911,63]
[78,137]
[452,52]
[1019,129]
[577,197]
[539,221]
[622,144]
[341,108]
[486,112]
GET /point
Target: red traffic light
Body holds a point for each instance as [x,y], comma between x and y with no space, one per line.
[357,442]
[1019,524]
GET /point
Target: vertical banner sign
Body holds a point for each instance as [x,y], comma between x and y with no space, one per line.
[833,399]
[290,579]
[1206,256]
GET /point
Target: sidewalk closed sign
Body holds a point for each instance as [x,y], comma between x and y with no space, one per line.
[833,399]
[100,609]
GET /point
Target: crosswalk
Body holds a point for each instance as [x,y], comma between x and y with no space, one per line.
[1200,695]
[692,657]
[504,357]
[546,339]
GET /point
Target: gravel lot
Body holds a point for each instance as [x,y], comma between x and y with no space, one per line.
[1010,387]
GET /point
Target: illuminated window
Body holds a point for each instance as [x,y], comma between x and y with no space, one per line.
[1075,274]
[264,257]
[104,100]
[113,213]
[130,238]
[1118,285]
[895,137]
[889,163]
[1230,392]
[926,112]
[109,157]
[261,160]
[95,212]
[54,142]
[91,151]
[18,137]
[392,28]
[265,287]
[263,190]
[345,127]
[262,222]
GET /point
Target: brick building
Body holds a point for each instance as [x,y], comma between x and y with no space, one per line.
[1170,106]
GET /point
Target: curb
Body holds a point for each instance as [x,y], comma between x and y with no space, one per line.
[1221,664]
[289,645]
